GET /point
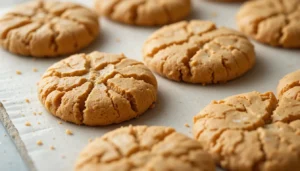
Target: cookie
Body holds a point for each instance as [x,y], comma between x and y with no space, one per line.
[144,12]
[48,28]
[154,148]
[97,89]
[254,131]
[198,52]
[273,22]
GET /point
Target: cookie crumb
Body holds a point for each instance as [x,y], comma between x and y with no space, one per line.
[18,72]
[39,123]
[5,135]
[90,140]
[34,113]
[27,100]
[40,113]
[118,40]
[35,70]
[187,125]
[39,142]
[69,132]
[214,14]
[52,147]
[27,124]
[60,122]
[152,106]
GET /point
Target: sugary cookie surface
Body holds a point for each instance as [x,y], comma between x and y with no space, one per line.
[198,52]
[254,131]
[97,89]
[144,148]
[144,12]
[48,28]
[274,22]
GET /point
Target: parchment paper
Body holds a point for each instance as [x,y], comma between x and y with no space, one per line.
[177,102]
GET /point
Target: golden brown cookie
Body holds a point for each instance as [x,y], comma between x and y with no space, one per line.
[198,52]
[97,89]
[144,12]
[273,22]
[254,131]
[48,28]
[142,148]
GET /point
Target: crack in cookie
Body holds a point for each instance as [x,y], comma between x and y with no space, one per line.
[144,148]
[273,22]
[97,89]
[144,12]
[48,28]
[198,52]
[254,131]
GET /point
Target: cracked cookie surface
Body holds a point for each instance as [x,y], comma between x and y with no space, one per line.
[48,28]
[154,148]
[97,89]
[273,22]
[254,131]
[198,52]
[144,12]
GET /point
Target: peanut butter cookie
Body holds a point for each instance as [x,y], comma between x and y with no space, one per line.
[144,12]
[254,131]
[97,89]
[48,28]
[198,52]
[154,148]
[273,22]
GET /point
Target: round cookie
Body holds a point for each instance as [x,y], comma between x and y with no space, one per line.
[254,131]
[48,28]
[154,148]
[97,89]
[273,22]
[198,52]
[144,12]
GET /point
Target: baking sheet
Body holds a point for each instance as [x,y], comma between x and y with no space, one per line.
[177,102]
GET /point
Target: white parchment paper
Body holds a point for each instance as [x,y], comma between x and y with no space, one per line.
[177,102]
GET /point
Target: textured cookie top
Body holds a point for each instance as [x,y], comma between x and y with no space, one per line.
[97,89]
[144,148]
[47,28]
[274,22]
[254,131]
[144,12]
[198,52]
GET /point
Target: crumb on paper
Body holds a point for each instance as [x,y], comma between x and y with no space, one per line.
[35,70]
[59,122]
[63,156]
[34,113]
[5,135]
[40,113]
[27,124]
[4,100]
[214,14]
[18,72]
[69,132]
[39,123]
[23,115]
[187,125]
[90,140]
[52,147]
[27,100]
[118,40]
[39,142]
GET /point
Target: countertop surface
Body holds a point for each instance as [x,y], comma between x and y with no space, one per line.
[10,159]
